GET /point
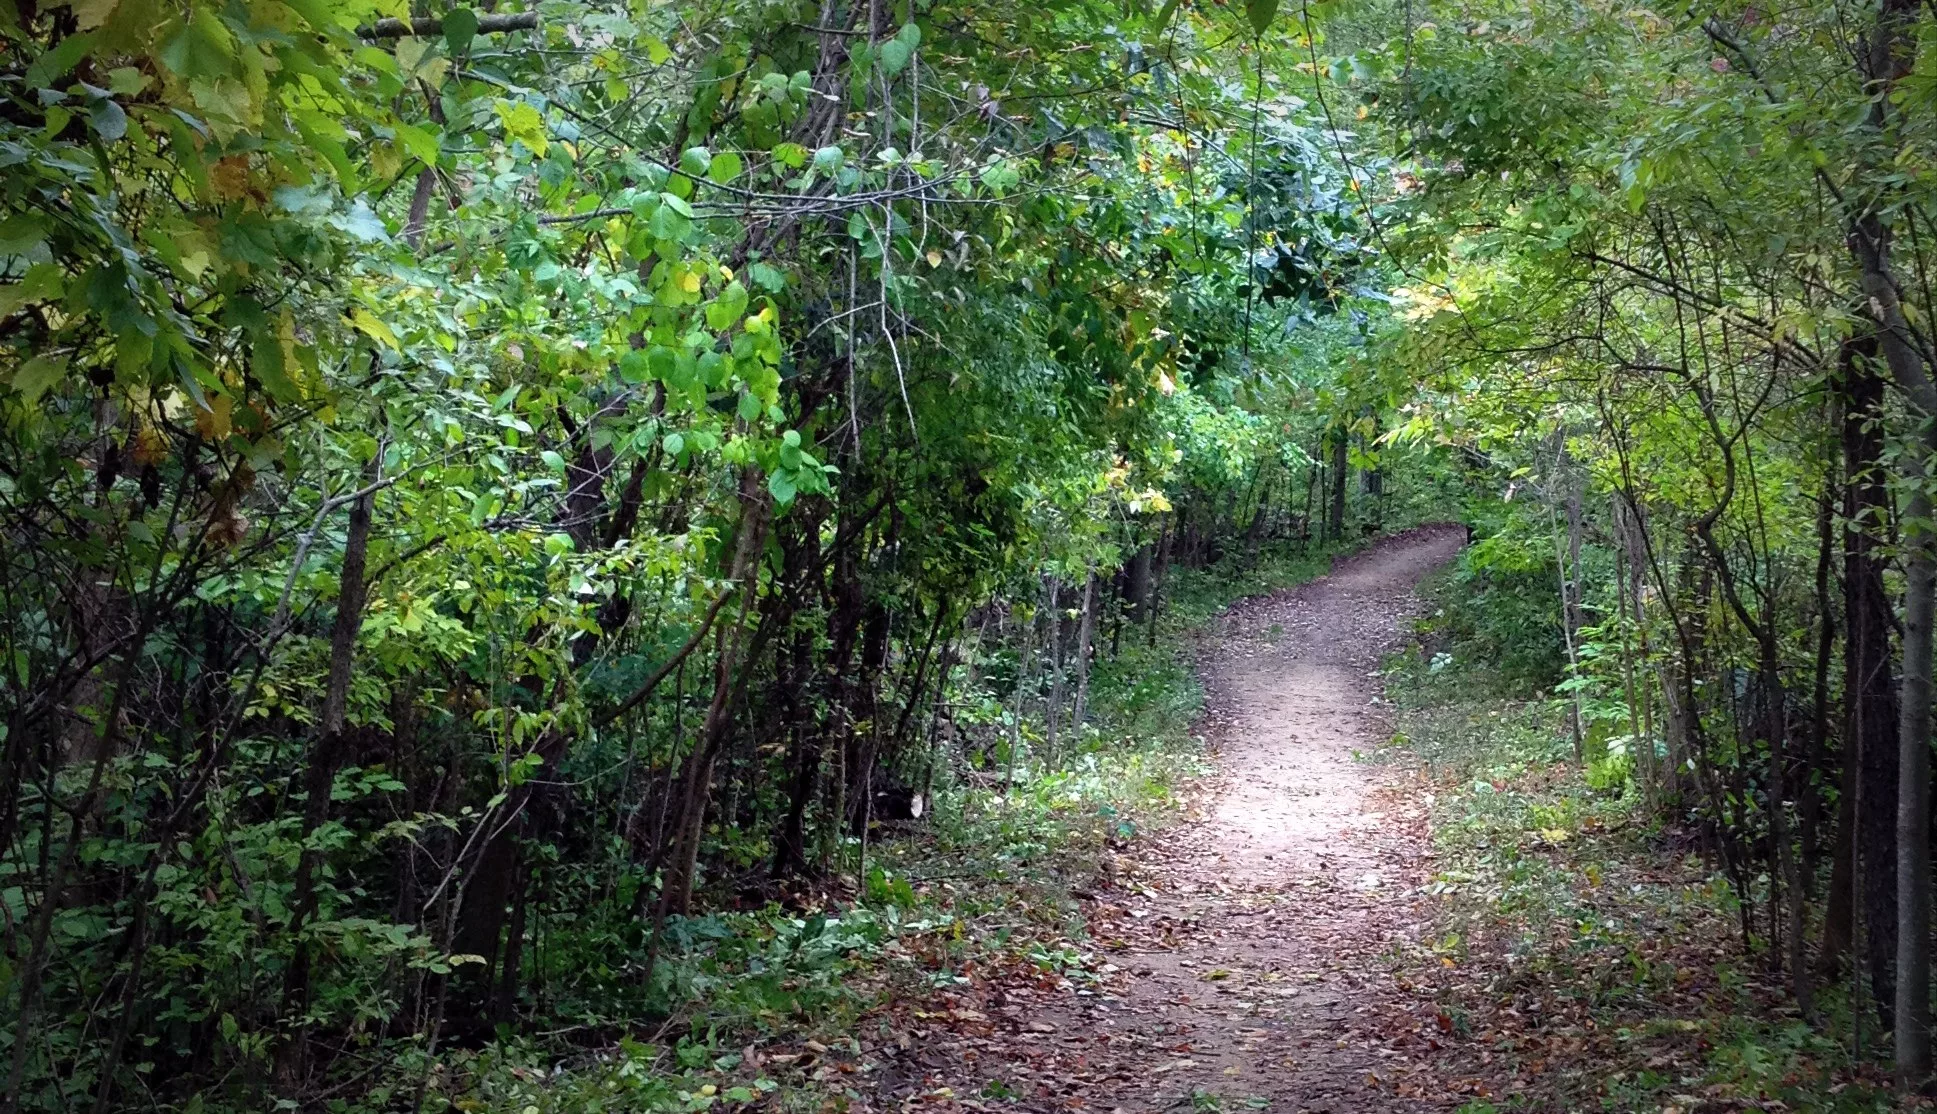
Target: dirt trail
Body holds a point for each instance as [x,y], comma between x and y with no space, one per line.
[1247,946]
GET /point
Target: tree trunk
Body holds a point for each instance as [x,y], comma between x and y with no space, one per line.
[1085,633]
[1567,558]
[1913,771]
[320,776]
[677,893]
[1053,708]
[1864,874]
[1890,56]
[1335,517]
[1161,564]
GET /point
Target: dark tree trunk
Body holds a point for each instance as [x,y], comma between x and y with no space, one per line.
[1335,516]
[1136,581]
[1869,687]
[324,758]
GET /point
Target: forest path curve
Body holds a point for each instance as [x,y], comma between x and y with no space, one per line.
[1249,947]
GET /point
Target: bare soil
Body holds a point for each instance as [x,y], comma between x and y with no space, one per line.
[1253,949]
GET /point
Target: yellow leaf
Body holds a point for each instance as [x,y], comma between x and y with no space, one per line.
[212,421]
[376,330]
[689,282]
[934,259]
[411,51]
[1555,835]
[89,14]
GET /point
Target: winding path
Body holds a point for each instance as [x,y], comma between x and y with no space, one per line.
[1248,949]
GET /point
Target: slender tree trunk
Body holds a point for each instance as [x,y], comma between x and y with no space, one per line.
[1136,581]
[1053,709]
[320,776]
[1913,773]
[677,894]
[1335,526]
[1161,563]
[1890,56]
[1864,875]
[1643,765]
[1085,633]
[1567,561]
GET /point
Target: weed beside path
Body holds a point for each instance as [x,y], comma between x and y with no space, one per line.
[1580,956]
[1247,948]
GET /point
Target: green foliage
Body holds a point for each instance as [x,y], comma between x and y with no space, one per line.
[490,509]
[1556,896]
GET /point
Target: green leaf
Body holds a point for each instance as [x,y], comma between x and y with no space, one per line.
[60,61]
[110,122]
[668,223]
[895,55]
[781,486]
[202,48]
[420,142]
[460,26]
[726,167]
[768,277]
[695,161]
[635,366]
[20,234]
[715,369]
[1261,13]
[829,159]
[1164,15]
[725,310]
[126,81]
[42,283]
[36,375]
[675,444]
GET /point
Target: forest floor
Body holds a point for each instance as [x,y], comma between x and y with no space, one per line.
[1250,948]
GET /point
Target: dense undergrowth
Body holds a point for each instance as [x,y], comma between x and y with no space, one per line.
[785,1004]
[1586,953]
[496,503]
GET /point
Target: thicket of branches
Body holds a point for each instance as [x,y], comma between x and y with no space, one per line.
[480,488]
[1669,273]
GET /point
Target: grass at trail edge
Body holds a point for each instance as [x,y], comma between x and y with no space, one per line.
[778,1006]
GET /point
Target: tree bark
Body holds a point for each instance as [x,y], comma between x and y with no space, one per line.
[320,776]
[1085,633]
[1335,516]
[676,895]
